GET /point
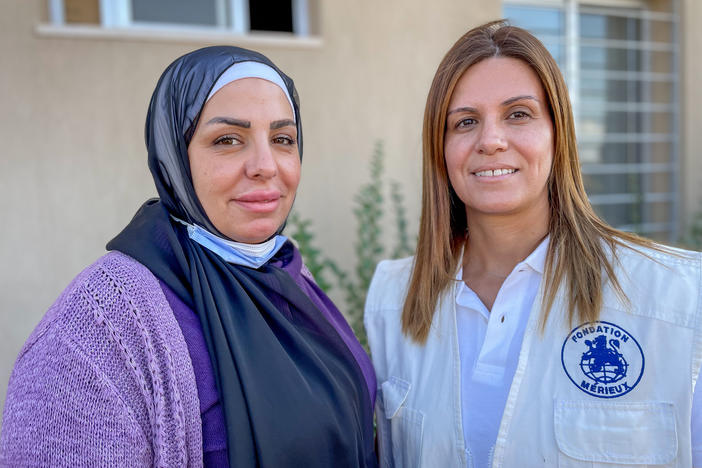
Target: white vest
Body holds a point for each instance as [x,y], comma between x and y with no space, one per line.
[614,393]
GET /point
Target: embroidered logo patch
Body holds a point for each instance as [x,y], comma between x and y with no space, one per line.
[602,359]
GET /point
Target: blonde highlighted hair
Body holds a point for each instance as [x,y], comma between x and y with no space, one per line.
[581,245]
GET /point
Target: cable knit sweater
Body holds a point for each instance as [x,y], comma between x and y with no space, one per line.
[105,379]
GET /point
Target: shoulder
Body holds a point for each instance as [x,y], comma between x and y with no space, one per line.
[663,283]
[388,287]
[113,311]
[118,304]
[92,294]
[112,273]
[114,292]
[646,265]
[661,257]
[116,272]
[383,310]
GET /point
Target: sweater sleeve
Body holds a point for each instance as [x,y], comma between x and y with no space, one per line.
[105,379]
[62,411]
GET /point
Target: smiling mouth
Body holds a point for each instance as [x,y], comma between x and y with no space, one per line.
[495,172]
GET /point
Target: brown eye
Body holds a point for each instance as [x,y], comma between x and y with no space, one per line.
[468,122]
[519,115]
[283,140]
[227,140]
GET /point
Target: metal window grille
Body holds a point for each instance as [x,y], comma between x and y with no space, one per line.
[620,61]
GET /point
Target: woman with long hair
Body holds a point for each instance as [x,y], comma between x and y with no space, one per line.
[525,331]
[200,338]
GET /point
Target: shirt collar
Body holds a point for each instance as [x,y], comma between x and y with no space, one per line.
[537,258]
[466,297]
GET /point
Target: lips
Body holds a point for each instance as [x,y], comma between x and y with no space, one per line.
[259,201]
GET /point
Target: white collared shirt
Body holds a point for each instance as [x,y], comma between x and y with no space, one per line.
[489,344]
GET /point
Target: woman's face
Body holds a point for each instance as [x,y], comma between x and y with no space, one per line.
[499,139]
[244,159]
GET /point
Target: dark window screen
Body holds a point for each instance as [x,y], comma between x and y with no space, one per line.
[271,15]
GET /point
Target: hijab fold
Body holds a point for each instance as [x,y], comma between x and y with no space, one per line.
[291,391]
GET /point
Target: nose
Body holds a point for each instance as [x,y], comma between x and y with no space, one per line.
[492,138]
[261,163]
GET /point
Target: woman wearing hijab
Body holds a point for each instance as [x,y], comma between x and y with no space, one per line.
[201,338]
[526,332]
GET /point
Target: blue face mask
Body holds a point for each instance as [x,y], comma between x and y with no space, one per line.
[249,255]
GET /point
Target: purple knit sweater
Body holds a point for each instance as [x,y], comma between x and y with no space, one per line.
[105,379]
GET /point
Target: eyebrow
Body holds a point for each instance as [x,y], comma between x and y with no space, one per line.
[462,109]
[282,123]
[229,121]
[507,102]
[247,124]
[519,98]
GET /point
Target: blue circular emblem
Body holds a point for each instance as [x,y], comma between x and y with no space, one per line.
[602,359]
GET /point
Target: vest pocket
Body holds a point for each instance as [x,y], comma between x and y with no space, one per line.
[399,427]
[633,434]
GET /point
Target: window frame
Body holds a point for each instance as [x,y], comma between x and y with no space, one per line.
[117,14]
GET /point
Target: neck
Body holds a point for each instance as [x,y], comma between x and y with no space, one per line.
[496,243]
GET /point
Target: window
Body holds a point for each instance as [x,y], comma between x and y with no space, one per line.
[619,58]
[237,16]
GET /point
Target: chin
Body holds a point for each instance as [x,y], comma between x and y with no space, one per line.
[495,208]
[252,236]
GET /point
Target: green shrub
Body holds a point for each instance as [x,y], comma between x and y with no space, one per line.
[299,229]
[368,211]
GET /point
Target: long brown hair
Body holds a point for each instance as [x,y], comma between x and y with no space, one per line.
[581,247]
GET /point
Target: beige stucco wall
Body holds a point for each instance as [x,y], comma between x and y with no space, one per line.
[72,160]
